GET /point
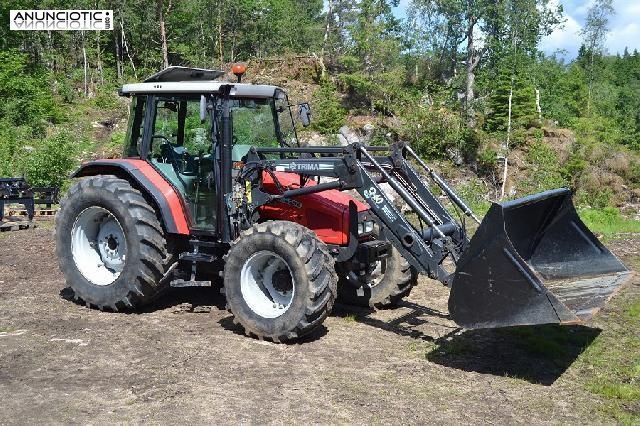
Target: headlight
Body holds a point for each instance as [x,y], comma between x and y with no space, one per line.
[365,227]
[368,226]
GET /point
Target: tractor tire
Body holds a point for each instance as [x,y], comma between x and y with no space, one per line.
[391,281]
[110,244]
[279,281]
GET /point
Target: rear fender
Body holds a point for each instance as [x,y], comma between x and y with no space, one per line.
[146,179]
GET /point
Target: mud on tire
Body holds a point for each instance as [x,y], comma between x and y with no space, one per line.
[395,283]
[97,202]
[279,281]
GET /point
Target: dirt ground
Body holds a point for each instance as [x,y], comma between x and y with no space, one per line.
[182,361]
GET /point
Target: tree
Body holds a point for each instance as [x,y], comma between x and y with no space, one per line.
[593,34]
[373,69]
[483,32]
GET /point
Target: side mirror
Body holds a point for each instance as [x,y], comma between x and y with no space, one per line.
[203,108]
[304,111]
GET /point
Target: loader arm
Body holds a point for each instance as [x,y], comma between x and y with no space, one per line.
[531,261]
[424,245]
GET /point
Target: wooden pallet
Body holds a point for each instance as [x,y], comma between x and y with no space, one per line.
[42,213]
[16,224]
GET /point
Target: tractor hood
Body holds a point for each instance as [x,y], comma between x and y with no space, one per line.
[326,212]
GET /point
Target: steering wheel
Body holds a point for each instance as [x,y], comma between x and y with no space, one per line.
[163,137]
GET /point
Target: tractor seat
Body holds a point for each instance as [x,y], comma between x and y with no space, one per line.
[183,182]
[179,156]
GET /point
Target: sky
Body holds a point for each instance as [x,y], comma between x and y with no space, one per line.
[624,27]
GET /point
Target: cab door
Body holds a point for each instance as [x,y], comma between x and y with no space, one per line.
[180,147]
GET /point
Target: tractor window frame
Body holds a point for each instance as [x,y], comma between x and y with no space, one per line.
[136,127]
[149,118]
[281,100]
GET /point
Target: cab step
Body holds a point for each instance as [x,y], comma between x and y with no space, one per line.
[189,283]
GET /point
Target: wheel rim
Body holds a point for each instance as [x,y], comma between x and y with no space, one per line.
[98,245]
[267,284]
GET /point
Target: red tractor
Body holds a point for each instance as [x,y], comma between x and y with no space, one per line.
[213,181]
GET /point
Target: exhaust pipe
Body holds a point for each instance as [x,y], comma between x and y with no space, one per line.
[533,261]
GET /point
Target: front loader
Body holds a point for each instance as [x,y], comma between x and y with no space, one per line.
[213,182]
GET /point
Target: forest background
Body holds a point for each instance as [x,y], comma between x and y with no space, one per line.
[463,81]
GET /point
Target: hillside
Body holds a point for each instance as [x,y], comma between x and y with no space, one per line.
[463,102]
[543,156]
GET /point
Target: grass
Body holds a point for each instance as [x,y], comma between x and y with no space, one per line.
[5,329]
[608,222]
[621,391]
[610,367]
[350,318]
[634,310]
[46,224]
[455,347]
[419,347]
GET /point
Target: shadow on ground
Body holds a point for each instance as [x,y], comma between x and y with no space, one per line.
[192,299]
[228,324]
[195,299]
[418,322]
[538,354]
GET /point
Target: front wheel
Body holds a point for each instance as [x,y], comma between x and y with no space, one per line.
[279,281]
[110,244]
[386,282]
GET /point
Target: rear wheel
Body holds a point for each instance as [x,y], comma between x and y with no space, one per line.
[110,244]
[279,281]
[387,282]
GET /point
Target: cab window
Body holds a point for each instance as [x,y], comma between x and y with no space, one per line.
[135,127]
[253,122]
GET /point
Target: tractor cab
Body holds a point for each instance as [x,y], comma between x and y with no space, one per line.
[176,125]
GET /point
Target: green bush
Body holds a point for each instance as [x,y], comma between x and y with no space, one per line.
[26,97]
[572,170]
[545,172]
[65,90]
[518,137]
[596,129]
[599,199]
[538,134]
[432,130]
[634,173]
[50,161]
[115,146]
[473,192]
[106,98]
[328,114]
[12,139]
[487,161]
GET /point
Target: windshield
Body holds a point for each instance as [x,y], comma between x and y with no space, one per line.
[263,122]
[253,122]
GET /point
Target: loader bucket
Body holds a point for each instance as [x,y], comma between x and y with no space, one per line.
[533,261]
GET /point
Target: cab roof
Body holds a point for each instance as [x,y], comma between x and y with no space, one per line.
[195,81]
